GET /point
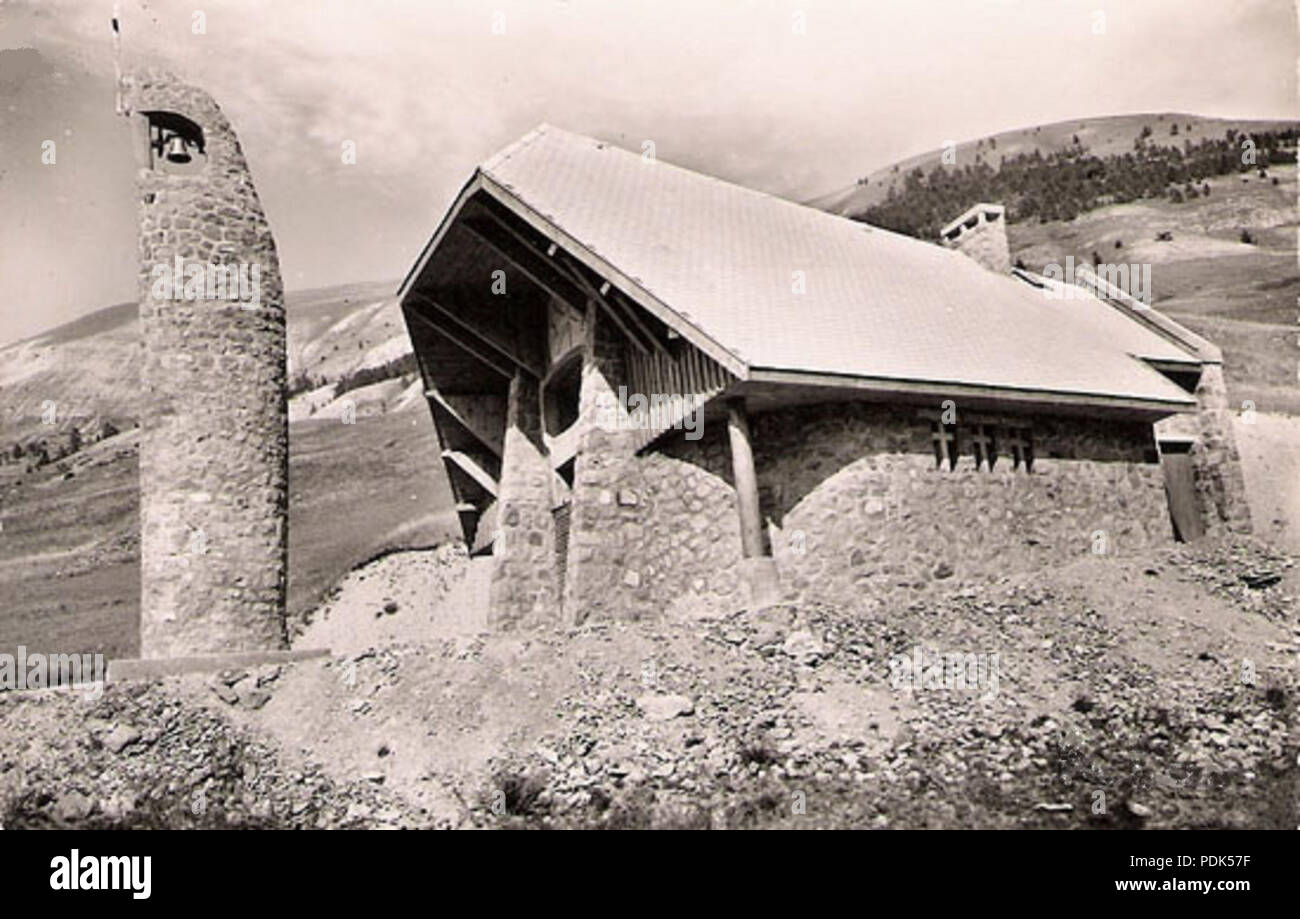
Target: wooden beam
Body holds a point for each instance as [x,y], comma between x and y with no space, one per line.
[574,270]
[957,391]
[631,309]
[466,464]
[504,200]
[532,272]
[746,479]
[467,329]
[464,346]
[570,273]
[438,403]
[595,297]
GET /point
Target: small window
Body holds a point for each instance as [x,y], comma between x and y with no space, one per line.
[561,393]
[946,448]
[986,441]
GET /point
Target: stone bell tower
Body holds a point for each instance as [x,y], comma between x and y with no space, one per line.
[214,427]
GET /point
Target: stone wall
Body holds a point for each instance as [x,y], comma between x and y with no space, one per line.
[604,453]
[214,438]
[857,512]
[1216,464]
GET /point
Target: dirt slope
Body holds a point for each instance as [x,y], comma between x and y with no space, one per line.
[1157,691]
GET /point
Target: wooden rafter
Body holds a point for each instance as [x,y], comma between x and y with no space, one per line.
[464,346]
[468,465]
[439,404]
[534,272]
[472,333]
[610,305]
[631,309]
[594,296]
[561,263]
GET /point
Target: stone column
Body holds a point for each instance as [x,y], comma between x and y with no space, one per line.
[214,429]
[524,585]
[1216,464]
[598,574]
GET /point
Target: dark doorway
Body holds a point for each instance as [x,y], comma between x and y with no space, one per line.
[1180,489]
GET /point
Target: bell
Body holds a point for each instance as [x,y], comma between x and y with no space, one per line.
[177,150]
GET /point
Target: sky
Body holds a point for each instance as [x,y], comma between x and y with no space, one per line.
[796,98]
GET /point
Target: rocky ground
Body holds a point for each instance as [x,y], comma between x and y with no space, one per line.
[1156,691]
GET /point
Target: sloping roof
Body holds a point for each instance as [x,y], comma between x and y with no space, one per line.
[1111,320]
[1204,350]
[727,262]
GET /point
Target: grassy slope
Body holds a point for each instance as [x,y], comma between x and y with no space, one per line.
[69,549]
[1105,136]
[1242,297]
[69,570]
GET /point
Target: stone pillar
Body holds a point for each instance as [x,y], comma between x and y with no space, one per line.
[605,445]
[1216,464]
[523,590]
[214,428]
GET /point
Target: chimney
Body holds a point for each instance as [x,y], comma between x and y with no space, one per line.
[981,233]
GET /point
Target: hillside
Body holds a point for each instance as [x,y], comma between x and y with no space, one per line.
[70,546]
[89,368]
[1106,136]
[69,559]
[1240,295]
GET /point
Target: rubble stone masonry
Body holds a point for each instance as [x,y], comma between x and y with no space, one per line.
[856,510]
[214,439]
[1216,463]
[524,586]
